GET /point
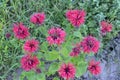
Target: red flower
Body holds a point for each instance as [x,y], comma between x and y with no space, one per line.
[94,67]
[75,51]
[76,17]
[67,71]
[105,27]
[90,44]
[20,31]
[56,36]
[31,45]
[29,62]
[37,18]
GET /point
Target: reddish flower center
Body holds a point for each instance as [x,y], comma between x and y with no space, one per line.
[89,44]
[55,36]
[32,45]
[30,62]
[37,19]
[105,29]
[76,50]
[78,18]
[20,31]
[67,70]
[93,67]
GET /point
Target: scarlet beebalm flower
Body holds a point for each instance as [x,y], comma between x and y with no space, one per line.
[37,18]
[67,71]
[90,44]
[31,45]
[56,36]
[94,67]
[20,31]
[105,27]
[76,50]
[76,17]
[29,62]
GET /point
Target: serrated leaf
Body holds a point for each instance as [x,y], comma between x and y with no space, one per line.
[78,59]
[53,68]
[40,76]
[64,51]
[29,75]
[81,68]
[77,34]
[80,64]
[52,55]
[44,46]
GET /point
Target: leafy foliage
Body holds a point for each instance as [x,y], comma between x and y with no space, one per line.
[20,10]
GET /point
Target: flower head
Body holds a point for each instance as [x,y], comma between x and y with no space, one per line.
[90,44]
[38,70]
[31,45]
[56,36]
[76,50]
[67,71]
[37,18]
[76,17]
[29,62]
[105,27]
[20,31]
[94,67]
[7,35]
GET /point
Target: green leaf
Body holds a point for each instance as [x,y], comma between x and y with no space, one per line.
[80,64]
[78,59]
[1,25]
[6,49]
[56,78]
[52,55]
[29,75]
[81,68]
[40,76]
[43,30]
[44,46]
[77,34]
[64,51]
[53,68]
[42,66]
